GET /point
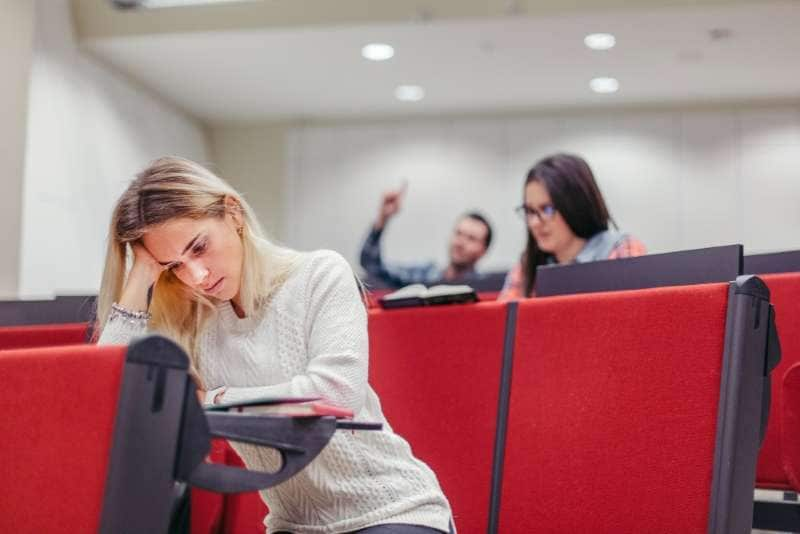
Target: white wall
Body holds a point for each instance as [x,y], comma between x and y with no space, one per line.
[677,179]
[252,158]
[89,132]
[16,42]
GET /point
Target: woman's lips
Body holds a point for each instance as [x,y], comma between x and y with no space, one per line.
[213,289]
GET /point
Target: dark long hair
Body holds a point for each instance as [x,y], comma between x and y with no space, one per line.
[572,188]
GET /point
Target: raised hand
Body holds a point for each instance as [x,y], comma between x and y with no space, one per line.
[391,203]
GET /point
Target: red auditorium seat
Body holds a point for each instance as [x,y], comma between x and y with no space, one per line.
[65,449]
[622,414]
[780,454]
[777,453]
[437,372]
[790,427]
[105,438]
[45,335]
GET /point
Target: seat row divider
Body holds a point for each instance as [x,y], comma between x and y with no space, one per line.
[503,399]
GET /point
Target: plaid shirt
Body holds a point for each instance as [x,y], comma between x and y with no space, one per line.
[395,276]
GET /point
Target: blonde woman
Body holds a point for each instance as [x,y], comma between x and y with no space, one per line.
[260,320]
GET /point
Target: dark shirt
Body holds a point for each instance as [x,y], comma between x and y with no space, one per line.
[396,276]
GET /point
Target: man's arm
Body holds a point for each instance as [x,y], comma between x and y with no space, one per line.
[372,262]
[371,259]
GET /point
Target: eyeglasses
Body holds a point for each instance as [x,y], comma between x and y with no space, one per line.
[544,214]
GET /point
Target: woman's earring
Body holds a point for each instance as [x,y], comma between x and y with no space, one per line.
[239,230]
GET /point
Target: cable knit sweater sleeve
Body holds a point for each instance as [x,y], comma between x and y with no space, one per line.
[336,338]
[121,330]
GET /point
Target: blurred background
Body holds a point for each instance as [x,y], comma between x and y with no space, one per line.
[687,111]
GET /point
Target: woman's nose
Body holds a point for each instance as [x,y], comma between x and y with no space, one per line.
[197,272]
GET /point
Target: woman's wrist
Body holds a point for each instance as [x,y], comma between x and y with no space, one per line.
[134,317]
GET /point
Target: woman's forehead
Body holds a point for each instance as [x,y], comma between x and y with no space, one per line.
[536,194]
[176,228]
[167,241]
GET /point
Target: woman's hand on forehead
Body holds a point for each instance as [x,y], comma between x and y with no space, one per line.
[144,264]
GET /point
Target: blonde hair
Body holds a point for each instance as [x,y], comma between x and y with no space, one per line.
[171,188]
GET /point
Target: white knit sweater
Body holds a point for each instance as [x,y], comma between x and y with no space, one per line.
[311,340]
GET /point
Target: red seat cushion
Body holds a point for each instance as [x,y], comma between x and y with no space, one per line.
[613,411]
[784,295]
[59,406]
[437,373]
[48,335]
[790,425]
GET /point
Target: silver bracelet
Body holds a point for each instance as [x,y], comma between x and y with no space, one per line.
[135,317]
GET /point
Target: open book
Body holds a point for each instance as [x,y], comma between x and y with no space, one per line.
[419,295]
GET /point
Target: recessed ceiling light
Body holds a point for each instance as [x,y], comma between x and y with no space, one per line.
[604,85]
[600,41]
[718,34]
[377,51]
[409,93]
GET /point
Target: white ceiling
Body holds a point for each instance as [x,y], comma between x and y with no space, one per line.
[663,56]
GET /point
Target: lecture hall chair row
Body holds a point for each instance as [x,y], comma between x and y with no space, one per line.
[550,431]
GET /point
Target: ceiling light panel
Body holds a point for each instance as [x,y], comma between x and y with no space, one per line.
[600,41]
[377,52]
[409,93]
[604,85]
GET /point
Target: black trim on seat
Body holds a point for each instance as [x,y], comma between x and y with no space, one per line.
[701,266]
[298,440]
[747,360]
[501,425]
[776,262]
[139,493]
[783,517]
[63,309]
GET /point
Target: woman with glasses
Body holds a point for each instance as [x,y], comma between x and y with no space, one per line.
[567,222]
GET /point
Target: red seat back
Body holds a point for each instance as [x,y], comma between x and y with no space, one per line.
[21,337]
[613,411]
[790,424]
[56,433]
[775,452]
[437,372]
